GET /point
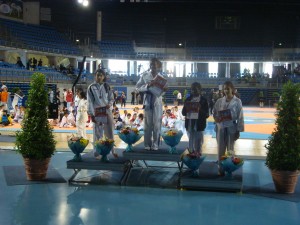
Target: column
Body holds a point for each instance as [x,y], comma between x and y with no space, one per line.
[260,68]
[134,68]
[99,26]
[104,64]
[227,71]
[164,67]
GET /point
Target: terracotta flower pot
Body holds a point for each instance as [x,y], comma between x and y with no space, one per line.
[285,181]
[36,169]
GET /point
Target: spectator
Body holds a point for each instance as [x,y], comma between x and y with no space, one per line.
[40,63]
[133,97]
[20,63]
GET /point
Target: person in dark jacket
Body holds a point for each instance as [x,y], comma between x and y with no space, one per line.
[195,110]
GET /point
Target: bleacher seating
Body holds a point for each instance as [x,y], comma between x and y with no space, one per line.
[117,48]
[40,38]
[12,72]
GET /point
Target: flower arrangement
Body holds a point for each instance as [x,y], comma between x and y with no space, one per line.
[229,163]
[193,160]
[77,145]
[104,146]
[130,136]
[172,138]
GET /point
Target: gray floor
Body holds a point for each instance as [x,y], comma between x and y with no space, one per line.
[106,202]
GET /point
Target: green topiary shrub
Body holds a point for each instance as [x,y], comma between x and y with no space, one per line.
[36,140]
[284,144]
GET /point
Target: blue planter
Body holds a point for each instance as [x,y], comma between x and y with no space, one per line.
[77,148]
[193,163]
[229,167]
[104,150]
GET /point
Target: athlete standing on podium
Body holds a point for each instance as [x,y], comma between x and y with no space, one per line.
[152,106]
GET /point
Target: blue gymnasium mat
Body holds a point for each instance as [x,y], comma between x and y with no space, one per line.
[251,135]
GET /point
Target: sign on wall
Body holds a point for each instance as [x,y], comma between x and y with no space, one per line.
[11,9]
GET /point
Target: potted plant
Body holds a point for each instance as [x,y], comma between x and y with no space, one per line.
[175,93]
[35,142]
[283,147]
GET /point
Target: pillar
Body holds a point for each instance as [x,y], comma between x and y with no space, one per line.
[164,67]
[135,67]
[104,64]
[260,68]
[227,71]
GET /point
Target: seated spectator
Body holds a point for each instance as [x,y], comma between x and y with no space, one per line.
[126,121]
[139,122]
[118,121]
[124,115]
[5,119]
[71,118]
[168,121]
[165,109]
[133,118]
[136,110]
[177,113]
[64,120]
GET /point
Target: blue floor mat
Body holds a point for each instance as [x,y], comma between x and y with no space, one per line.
[251,135]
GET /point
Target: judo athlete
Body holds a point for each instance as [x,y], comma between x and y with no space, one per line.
[99,95]
[152,105]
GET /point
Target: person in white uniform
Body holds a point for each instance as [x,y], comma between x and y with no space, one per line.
[81,115]
[152,106]
[229,118]
[99,95]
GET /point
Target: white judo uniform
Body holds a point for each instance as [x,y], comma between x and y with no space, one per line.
[81,117]
[152,112]
[98,96]
[226,131]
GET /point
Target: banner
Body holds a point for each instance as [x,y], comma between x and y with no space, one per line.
[11,9]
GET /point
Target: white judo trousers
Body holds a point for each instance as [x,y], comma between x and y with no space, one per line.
[152,113]
[152,126]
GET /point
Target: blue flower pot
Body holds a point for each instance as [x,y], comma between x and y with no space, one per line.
[229,167]
[130,139]
[77,148]
[104,150]
[172,141]
[193,163]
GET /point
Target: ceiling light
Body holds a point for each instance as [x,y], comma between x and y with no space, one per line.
[85,3]
[80,1]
